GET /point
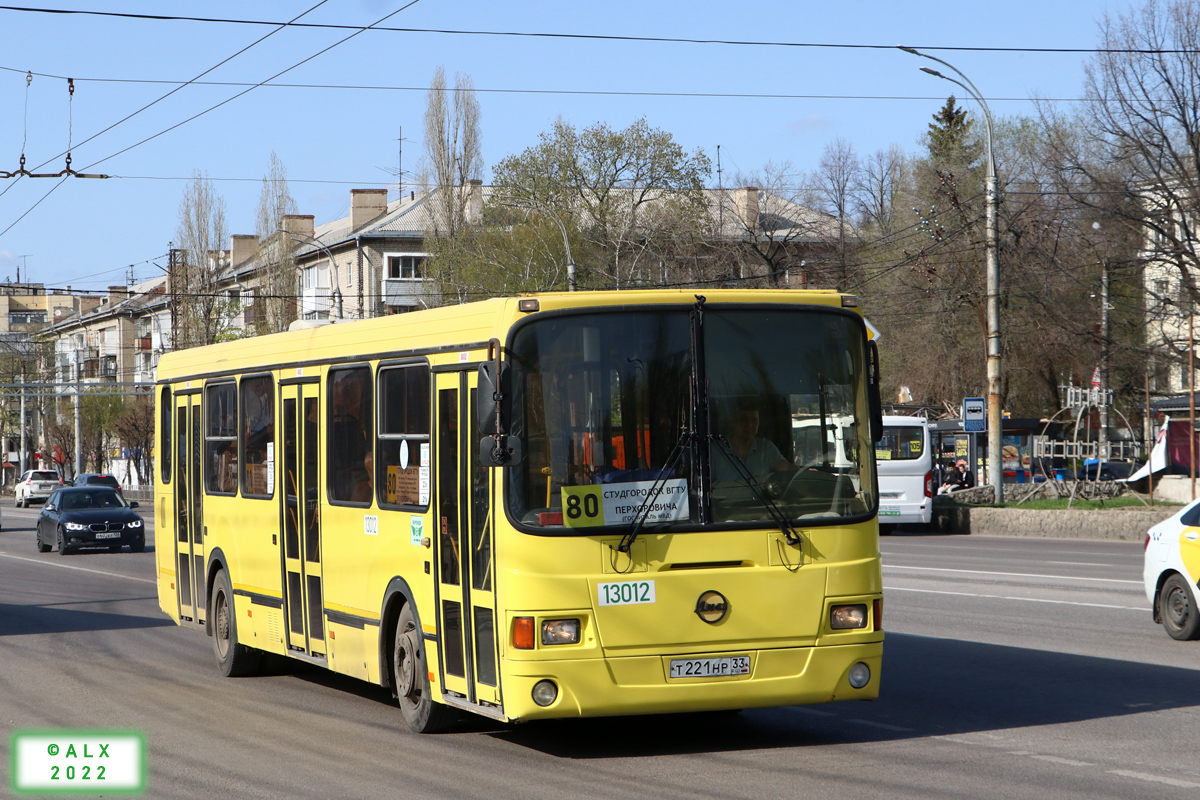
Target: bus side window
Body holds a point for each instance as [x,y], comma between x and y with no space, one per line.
[220,446]
[257,430]
[404,444]
[349,435]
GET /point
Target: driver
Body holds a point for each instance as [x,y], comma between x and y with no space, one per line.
[760,456]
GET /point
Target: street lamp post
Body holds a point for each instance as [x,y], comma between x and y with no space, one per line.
[337,289]
[995,459]
[530,203]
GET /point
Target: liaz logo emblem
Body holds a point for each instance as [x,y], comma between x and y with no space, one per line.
[712,607]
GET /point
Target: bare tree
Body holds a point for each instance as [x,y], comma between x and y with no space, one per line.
[275,304]
[881,183]
[780,235]
[833,184]
[201,315]
[453,149]
[1132,153]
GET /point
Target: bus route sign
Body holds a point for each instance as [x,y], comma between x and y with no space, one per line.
[973,415]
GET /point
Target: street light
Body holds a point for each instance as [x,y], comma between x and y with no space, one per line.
[536,205]
[995,461]
[337,289]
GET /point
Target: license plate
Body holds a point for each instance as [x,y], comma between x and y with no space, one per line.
[889,512]
[116,535]
[710,667]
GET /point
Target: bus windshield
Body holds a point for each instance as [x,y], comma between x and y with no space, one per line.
[606,406]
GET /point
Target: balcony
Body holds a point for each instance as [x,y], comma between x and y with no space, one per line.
[314,303]
[403,291]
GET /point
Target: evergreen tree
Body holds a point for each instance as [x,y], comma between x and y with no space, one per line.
[949,137]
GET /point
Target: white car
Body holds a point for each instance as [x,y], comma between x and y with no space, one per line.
[36,484]
[1171,572]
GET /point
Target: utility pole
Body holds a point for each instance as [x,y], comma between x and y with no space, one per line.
[1103,399]
[78,417]
[21,460]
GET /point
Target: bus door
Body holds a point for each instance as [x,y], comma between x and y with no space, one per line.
[300,526]
[189,508]
[466,601]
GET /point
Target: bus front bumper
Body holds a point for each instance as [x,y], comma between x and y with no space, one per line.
[640,684]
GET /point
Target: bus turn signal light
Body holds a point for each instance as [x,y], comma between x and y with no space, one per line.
[878,604]
[523,633]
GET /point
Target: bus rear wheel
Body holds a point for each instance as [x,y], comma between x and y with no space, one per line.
[233,658]
[411,676]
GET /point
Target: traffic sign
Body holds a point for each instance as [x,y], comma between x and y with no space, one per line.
[974,415]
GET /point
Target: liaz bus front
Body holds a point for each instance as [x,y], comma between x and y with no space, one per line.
[679,534]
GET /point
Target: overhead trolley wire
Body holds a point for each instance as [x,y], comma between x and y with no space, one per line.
[595,36]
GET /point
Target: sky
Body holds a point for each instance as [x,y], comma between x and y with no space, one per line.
[350,115]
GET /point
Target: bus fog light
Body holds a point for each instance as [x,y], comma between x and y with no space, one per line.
[843,617]
[546,692]
[860,676]
[560,631]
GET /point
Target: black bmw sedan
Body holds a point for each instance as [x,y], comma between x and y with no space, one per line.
[89,516]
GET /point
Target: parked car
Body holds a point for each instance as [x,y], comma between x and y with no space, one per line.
[89,516]
[97,479]
[35,485]
[1171,567]
[1109,470]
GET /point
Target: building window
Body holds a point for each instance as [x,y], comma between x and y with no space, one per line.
[406,267]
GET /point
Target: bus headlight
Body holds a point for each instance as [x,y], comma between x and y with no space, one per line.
[860,675]
[844,617]
[545,693]
[560,631]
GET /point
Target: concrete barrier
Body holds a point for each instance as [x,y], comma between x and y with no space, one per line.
[1116,524]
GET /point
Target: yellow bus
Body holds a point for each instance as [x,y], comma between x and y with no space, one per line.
[554,505]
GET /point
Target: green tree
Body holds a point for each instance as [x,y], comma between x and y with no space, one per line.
[632,194]
[949,137]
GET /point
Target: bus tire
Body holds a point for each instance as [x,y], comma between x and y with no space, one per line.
[411,679]
[1177,605]
[233,658]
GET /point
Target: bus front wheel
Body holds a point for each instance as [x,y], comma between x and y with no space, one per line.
[233,658]
[411,669]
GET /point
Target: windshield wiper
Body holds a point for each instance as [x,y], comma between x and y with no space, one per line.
[773,510]
[643,512]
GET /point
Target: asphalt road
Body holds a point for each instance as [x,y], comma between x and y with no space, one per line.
[1013,668]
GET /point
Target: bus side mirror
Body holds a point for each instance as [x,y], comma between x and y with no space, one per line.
[494,411]
[494,404]
[499,451]
[874,399]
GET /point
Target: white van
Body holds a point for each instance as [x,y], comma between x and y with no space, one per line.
[904,459]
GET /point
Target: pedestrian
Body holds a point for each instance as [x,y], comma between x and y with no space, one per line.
[968,478]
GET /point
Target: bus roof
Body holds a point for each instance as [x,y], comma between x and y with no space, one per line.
[443,334]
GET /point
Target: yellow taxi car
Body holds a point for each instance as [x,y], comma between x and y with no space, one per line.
[1171,571]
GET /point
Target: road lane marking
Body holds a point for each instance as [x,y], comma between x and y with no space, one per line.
[1026,599]
[1057,760]
[81,569]
[883,725]
[1081,564]
[1142,776]
[1009,574]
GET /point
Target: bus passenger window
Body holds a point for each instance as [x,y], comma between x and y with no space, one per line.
[257,428]
[349,435]
[220,439]
[402,468]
